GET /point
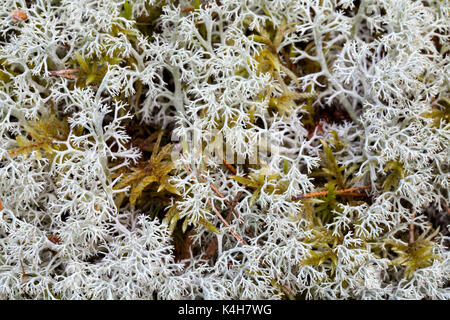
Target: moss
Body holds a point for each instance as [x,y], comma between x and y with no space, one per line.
[43,134]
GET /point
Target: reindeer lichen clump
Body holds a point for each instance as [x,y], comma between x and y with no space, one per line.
[230,149]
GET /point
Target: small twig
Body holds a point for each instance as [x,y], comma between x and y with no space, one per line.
[213,188]
[67,73]
[238,237]
[213,245]
[345,192]
[229,166]
[24,275]
[216,190]
[187,10]
[352,194]
[285,289]
[233,205]
[445,206]
[14,152]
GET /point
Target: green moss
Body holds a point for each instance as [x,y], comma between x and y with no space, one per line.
[416,255]
[440,112]
[93,70]
[154,170]
[395,174]
[41,134]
